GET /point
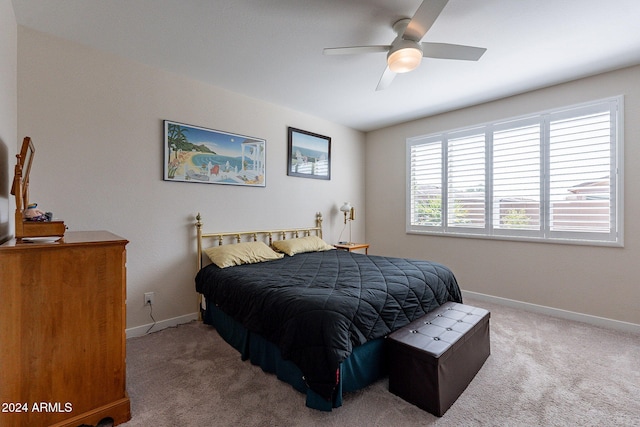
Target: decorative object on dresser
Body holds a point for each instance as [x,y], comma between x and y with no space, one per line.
[31,225]
[433,359]
[62,330]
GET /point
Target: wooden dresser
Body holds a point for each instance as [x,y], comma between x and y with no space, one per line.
[62,331]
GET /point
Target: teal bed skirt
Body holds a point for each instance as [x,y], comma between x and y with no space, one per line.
[364,366]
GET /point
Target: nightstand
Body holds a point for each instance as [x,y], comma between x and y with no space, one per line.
[352,247]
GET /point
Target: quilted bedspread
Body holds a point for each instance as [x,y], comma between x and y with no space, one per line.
[316,307]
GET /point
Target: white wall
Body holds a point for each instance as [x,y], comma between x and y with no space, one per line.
[597,281]
[96,122]
[8,114]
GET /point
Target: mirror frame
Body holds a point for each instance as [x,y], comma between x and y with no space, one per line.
[23,166]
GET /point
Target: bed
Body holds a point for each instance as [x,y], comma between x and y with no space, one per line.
[313,315]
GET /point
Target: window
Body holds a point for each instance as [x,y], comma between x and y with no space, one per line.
[552,176]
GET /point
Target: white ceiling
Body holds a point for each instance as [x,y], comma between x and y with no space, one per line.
[272,49]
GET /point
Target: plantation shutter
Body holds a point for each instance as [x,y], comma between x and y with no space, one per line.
[580,172]
[516,176]
[551,176]
[466,181]
[426,183]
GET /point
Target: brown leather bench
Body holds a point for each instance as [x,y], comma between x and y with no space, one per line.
[433,359]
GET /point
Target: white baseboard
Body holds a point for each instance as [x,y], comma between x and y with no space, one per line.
[556,312]
[139,331]
[603,322]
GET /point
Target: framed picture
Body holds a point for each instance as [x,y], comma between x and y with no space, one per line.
[309,155]
[196,154]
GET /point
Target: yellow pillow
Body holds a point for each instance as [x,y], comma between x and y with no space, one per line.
[241,253]
[301,244]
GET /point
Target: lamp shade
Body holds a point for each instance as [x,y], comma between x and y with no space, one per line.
[346,207]
[404,57]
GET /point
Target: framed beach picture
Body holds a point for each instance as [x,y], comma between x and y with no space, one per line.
[309,155]
[197,154]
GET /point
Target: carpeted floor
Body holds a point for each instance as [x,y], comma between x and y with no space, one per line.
[542,371]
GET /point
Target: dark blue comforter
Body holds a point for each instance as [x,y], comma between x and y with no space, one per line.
[316,307]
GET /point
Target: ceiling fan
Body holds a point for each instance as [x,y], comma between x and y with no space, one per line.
[405,52]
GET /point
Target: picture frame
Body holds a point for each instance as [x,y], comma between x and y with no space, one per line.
[201,155]
[308,154]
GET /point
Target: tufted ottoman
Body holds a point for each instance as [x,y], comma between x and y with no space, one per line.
[433,359]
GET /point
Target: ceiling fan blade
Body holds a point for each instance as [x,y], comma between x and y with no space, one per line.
[423,19]
[386,79]
[352,50]
[452,51]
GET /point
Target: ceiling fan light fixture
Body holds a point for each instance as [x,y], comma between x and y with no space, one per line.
[404,59]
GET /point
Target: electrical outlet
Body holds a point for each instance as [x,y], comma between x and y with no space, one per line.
[148,298]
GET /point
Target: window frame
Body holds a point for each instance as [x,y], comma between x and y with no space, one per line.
[615,237]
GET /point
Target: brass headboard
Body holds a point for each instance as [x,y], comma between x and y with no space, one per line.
[263,235]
